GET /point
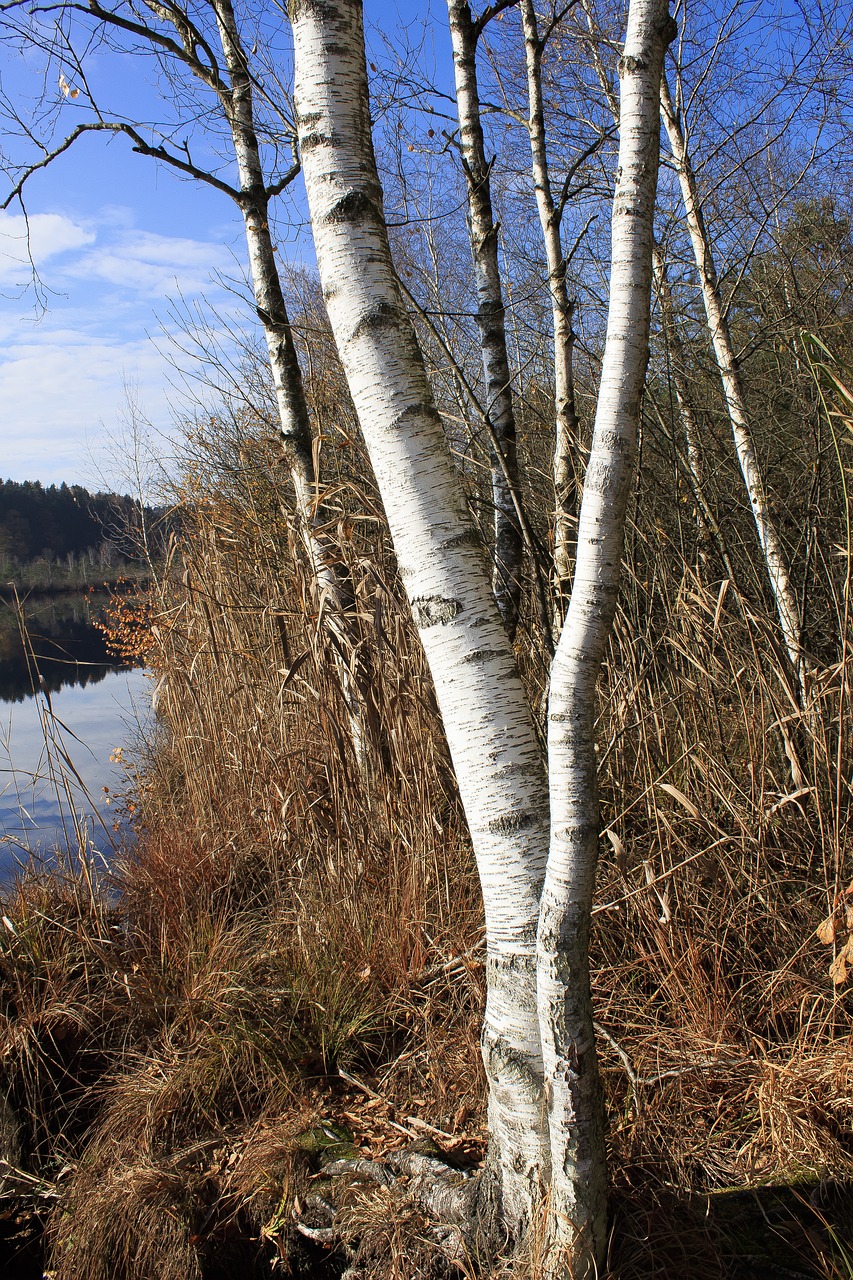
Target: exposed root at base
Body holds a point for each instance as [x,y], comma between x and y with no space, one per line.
[345,1214]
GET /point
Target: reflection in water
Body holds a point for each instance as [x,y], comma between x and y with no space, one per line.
[85,702]
[63,639]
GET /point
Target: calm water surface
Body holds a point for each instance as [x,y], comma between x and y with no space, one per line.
[89,709]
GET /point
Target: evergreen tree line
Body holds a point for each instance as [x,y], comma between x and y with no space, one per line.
[58,523]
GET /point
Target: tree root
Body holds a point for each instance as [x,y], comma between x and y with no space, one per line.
[446,1196]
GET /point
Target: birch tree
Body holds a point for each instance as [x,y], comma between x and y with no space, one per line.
[535,840]
[219,63]
[775,559]
[566,444]
[483,233]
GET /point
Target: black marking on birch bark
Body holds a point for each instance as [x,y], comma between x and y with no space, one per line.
[319,9]
[431,611]
[384,316]
[631,64]
[312,141]
[469,538]
[491,310]
[498,962]
[505,1058]
[356,207]
[509,822]
[613,440]
[482,655]
[604,478]
[419,409]
[669,31]
[490,236]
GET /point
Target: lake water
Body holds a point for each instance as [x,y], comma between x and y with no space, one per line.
[56,744]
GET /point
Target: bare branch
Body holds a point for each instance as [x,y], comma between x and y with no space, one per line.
[277,187]
[184,52]
[606,135]
[491,11]
[140,146]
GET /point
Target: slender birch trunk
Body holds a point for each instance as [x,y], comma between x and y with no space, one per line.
[775,559]
[483,234]
[489,728]
[294,423]
[566,487]
[575,1111]
[685,409]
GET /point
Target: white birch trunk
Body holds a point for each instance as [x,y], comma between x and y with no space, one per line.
[575,1110]
[685,409]
[483,706]
[775,559]
[566,447]
[483,233]
[294,423]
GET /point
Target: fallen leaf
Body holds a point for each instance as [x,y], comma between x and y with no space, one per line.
[619,850]
[680,797]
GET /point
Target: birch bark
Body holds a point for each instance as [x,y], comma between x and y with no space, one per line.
[483,234]
[575,1111]
[566,448]
[294,423]
[488,724]
[775,559]
[685,409]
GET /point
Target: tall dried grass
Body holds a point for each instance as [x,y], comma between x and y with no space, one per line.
[175,1038]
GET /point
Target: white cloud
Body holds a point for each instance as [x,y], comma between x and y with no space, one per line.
[107,285]
[50,234]
[154,265]
[59,392]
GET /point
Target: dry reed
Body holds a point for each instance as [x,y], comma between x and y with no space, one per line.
[290,911]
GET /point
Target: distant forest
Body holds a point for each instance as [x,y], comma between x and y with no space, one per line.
[67,526]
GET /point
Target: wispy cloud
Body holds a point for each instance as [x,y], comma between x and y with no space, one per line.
[107,286]
[59,394]
[156,266]
[31,243]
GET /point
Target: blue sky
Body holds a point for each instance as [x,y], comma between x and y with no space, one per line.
[119,243]
[115,239]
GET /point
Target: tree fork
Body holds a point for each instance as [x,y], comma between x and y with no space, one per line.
[489,726]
